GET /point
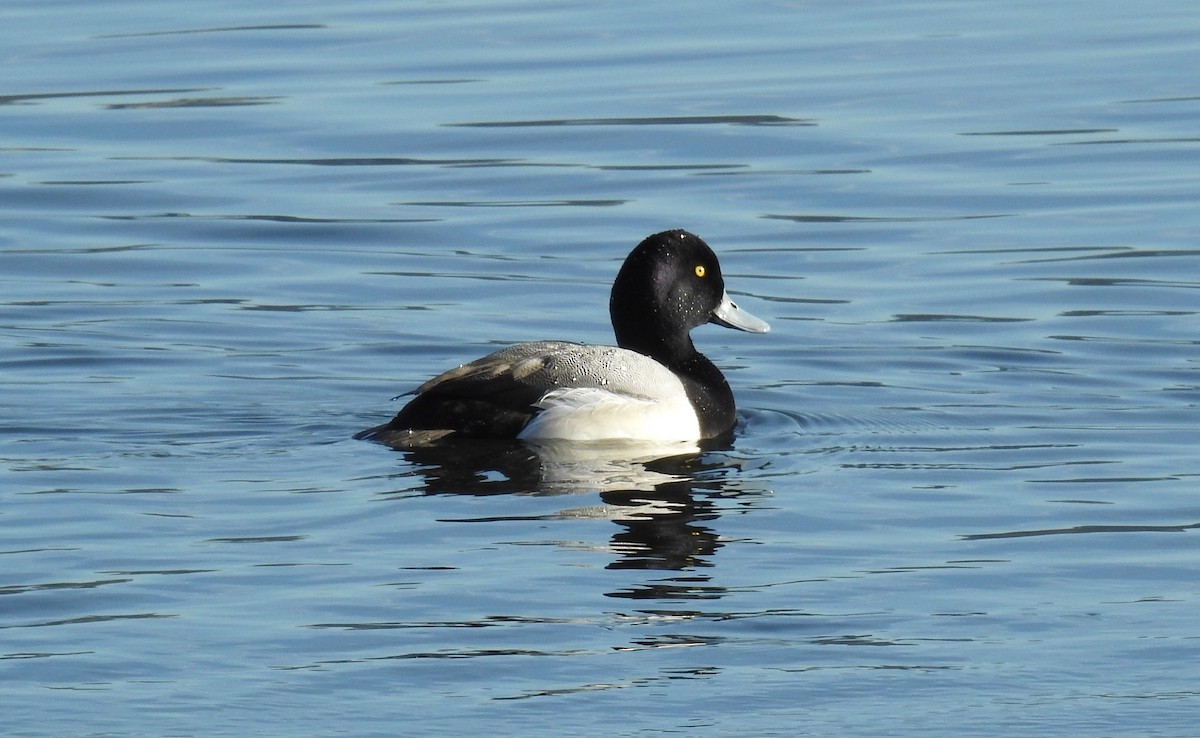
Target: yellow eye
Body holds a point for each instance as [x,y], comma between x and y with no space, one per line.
[700,270]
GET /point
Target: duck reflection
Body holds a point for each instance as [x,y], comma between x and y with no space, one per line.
[661,496]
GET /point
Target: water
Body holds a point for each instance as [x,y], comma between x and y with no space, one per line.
[963,497]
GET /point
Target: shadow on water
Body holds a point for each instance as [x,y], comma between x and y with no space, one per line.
[662,498]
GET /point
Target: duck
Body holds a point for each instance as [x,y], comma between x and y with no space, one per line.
[652,386]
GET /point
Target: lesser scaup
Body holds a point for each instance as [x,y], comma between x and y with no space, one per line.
[652,386]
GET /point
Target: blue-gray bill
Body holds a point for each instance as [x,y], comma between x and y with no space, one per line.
[730,315]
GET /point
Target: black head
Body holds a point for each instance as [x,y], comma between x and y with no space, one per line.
[670,283]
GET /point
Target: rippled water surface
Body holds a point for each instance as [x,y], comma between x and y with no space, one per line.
[963,495]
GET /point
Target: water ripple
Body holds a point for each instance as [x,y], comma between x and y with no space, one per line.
[670,120]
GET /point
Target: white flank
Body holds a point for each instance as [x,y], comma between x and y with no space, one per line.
[594,414]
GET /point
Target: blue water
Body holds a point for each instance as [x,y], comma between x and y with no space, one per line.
[963,496]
